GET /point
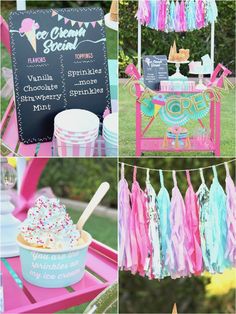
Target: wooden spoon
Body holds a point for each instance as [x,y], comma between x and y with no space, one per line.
[96,199]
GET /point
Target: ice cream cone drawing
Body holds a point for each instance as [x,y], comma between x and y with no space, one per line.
[28,28]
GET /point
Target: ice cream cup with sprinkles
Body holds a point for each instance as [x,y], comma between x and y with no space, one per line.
[52,250]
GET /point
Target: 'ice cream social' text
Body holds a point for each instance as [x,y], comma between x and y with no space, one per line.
[30,29]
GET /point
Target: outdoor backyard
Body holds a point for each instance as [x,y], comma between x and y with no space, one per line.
[208,293]
[127,126]
[155,42]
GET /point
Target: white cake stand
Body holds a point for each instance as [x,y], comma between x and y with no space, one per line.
[111,24]
[178,75]
[200,85]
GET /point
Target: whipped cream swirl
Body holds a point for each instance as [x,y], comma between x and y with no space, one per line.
[48,225]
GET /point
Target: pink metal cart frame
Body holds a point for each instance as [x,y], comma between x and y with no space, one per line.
[144,144]
[23,297]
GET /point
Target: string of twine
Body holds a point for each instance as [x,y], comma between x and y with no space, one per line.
[180,170]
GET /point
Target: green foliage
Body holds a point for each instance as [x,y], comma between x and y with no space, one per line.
[140,295]
[78,178]
[157,42]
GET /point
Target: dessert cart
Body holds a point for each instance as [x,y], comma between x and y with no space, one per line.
[23,297]
[155,144]
[148,144]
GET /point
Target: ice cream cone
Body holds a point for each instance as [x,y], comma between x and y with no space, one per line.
[114,11]
[174,310]
[31,36]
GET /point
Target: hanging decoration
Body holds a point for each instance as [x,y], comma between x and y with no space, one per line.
[176,15]
[76,23]
[176,236]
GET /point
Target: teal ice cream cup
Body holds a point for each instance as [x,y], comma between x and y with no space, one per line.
[53,268]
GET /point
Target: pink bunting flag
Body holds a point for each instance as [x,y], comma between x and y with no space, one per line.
[93,24]
[80,23]
[54,13]
[66,20]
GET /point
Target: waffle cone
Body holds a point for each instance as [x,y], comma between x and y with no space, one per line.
[114,11]
[31,36]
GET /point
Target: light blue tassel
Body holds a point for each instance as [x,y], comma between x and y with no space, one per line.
[218,234]
[191,15]
[154,15]
[171,21]
[163,208]
[212,11]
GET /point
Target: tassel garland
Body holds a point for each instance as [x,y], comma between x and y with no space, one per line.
[176,15]
[177,236]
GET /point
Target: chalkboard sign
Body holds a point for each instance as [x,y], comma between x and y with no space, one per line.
[59,62]
[155,69]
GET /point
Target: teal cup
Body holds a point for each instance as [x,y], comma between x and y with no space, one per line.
[51,268]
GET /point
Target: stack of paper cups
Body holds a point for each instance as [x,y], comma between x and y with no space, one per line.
[110,134]
[76,131]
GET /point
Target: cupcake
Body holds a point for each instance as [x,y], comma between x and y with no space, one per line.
[52,250]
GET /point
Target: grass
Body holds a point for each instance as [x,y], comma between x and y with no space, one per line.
[102,229]
[127,127]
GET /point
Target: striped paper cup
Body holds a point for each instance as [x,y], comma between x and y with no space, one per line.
[111,149]
[66,149]
[75,140]
[109,135]
[76,121]
[110,123]
[73,134]
[111,141]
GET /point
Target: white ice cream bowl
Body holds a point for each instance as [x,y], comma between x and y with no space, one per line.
[51,268]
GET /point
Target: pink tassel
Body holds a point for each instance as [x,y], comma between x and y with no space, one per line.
[183,25]
[177,17]
[162,15]
[200,16]
[178,261]
[139,228]
[192,228]
[125,260]
[231,218]
[143,14]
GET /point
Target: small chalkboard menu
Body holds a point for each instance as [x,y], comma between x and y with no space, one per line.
[59,62]
[155,69]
